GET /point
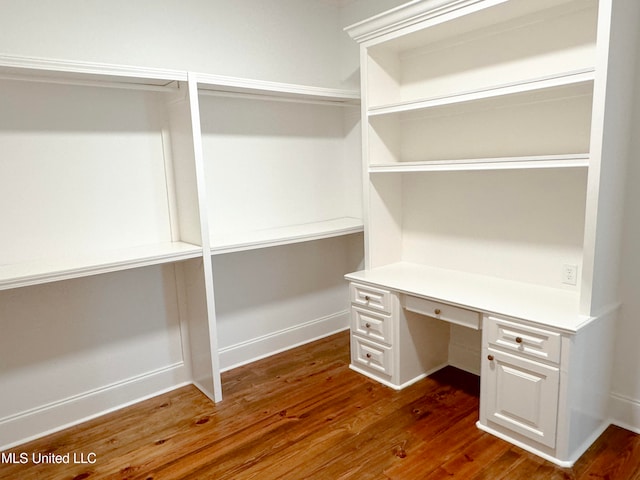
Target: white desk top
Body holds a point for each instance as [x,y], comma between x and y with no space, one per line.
[543,305]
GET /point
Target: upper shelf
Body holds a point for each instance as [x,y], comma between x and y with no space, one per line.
[65,71]
[241,241]
[576,82]
[72,72]
[504,163]
[56,269]
[220,85]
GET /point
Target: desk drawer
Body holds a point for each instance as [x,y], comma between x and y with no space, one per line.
[376,358]
[371,297]
[532,341]
[442,311]
[374,326]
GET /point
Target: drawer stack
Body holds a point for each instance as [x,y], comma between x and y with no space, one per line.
[372,331]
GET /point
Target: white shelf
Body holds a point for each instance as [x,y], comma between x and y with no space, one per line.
[56,269]
[576,78]
[543,305]
[221,85]
[79,73]
[237,242]
[506,163]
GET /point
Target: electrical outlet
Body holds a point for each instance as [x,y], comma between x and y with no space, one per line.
[570,274]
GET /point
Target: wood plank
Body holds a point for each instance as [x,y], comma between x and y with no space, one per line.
[305,414]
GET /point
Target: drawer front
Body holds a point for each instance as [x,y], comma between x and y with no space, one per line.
[371,297]
[374,326]
[535,342]
[442,311]
[376,358]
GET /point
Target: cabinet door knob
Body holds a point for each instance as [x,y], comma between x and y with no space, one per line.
[518,339]
[368,355]
[368,325]
[490,358]
[437,311]
[367,298]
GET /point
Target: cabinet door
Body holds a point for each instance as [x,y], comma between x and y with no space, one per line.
[521,395]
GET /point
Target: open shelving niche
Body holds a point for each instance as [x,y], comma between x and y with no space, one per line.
[280,162]
[104,172]
[109,203]
[458,129]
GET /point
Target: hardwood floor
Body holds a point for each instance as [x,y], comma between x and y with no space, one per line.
[303,414]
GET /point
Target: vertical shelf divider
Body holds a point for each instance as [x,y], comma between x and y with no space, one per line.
[196,277]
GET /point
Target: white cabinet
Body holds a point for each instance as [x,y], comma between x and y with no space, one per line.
[494,142]
[521,378]
[521,395]
[374,322]
[390,343]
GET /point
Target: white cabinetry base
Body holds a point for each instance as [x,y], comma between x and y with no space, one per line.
[391,385]
[561,463]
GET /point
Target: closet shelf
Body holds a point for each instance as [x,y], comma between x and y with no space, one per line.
[575,78]
[87,73]
[505,163]
[543,305]
[56,269]
[223,85]
[237,242]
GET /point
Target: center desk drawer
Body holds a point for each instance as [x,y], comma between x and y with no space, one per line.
[371,297]
[524,339]
[374,326]
[442,311]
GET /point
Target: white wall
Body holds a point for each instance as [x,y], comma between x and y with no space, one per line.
[626,378]
[350,13]
[281,40]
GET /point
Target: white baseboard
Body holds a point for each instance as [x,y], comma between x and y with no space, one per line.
[46,419]
[625,412]
[386,383]
[276,342]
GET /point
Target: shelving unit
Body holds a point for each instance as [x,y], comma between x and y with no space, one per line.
[442,102]
[106,204]
[493,142]
[111,178]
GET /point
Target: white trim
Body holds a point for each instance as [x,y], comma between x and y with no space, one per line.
[59,415]
[625,412]
[404,16]
[76,69]
[561,463]
[406,384]
[270,344]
